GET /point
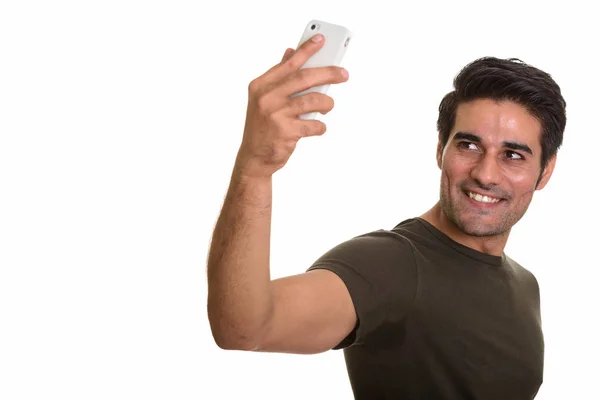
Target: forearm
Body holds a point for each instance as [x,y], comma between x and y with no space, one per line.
[239,298]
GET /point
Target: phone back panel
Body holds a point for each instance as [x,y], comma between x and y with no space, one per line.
[337,39]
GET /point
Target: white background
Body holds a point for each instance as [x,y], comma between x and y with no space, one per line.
[119,123]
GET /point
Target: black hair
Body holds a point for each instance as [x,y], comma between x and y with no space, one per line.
[509,79]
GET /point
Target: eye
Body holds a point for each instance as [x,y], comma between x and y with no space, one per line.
[514,156]
[467,145]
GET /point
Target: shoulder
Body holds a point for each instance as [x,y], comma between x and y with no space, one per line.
[377,247]
[520,271]
[523,276]
[379,271]
[378,266]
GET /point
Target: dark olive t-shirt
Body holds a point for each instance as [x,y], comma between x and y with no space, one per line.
[436,319]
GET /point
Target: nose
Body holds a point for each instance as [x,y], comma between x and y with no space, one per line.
[487,172]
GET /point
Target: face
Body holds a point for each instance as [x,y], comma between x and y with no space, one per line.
[490,167]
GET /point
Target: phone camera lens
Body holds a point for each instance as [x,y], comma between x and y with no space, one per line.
[313,27]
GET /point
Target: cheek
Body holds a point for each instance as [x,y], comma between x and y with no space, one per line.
[522,182]
[455,170]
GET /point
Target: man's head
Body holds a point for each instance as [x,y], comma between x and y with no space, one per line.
[499,132]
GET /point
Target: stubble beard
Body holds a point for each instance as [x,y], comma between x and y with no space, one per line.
[474,226]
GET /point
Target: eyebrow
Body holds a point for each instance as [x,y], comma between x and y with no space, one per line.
[509,144]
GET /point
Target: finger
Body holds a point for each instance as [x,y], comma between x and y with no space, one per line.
[310,77]
[286,56]
[295,61]
[313,127]
[305,51]
[310,102]
[262,83]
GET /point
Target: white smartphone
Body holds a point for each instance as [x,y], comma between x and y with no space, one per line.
[337,39]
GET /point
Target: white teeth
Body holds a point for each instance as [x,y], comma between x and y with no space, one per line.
[483,199]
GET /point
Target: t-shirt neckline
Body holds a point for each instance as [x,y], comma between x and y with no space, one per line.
[483,257]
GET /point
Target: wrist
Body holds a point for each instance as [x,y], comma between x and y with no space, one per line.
[247,170]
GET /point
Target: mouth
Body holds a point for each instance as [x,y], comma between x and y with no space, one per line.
[482,201]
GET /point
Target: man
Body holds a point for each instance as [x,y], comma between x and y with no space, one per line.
[431,309]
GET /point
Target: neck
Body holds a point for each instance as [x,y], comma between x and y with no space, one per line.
[493,245]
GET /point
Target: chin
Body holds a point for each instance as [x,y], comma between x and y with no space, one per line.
[478,220]
[480,228]
[477,225]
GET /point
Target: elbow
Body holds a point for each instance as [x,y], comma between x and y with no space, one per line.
[233,335]
[229,340]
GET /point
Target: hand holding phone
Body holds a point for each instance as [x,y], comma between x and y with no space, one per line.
[337,39]
[283,102]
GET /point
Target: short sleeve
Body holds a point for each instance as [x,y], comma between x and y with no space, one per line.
[379,270]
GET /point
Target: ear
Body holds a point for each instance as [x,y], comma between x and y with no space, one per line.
[546,174]
[439,152]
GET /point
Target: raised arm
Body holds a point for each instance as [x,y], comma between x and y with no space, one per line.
[305,313]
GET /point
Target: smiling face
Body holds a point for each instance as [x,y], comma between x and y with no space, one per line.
[490,166]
